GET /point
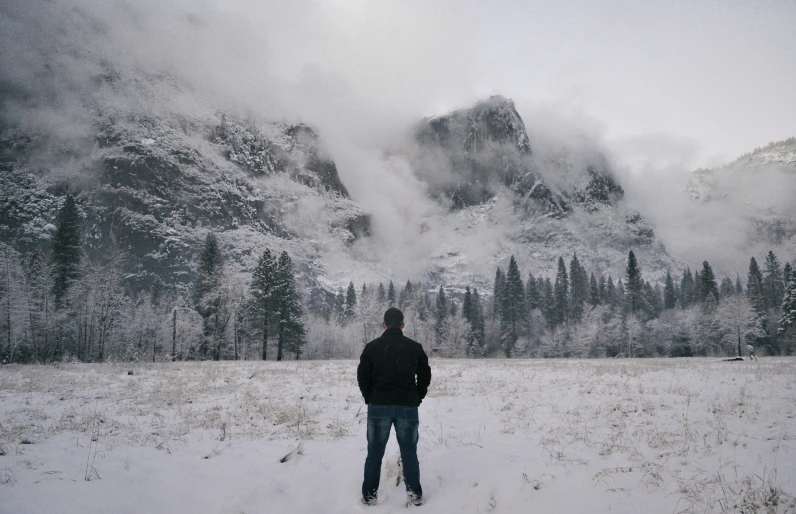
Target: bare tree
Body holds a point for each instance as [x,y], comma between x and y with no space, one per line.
[737,322]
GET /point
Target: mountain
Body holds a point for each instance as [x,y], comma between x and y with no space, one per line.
[754,193]
[157,157]
[706,183]
[481,163]
[153,187]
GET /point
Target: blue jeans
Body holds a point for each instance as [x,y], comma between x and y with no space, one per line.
[380,419]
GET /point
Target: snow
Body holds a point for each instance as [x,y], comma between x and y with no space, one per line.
[673,435]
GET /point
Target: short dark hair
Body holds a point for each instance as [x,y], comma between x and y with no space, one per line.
[393,317]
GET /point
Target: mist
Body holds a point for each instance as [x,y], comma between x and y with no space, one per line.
[364,73]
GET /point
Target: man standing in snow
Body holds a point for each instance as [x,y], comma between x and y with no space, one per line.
[393,375]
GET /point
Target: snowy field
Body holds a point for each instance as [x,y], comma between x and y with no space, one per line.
[564,436]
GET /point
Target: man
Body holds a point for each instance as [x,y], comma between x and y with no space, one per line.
[386,375]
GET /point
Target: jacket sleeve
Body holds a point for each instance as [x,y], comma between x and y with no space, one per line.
[365,376]
[423,374]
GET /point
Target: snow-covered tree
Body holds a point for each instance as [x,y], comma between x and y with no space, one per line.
[579,288]
[561,294]
[66,249]
[787,323]
[634,284]
[756,294]
[512,310]
[773,285]
[708,285]
[441,315]
[262,300]
[291,333]
[669,294]
[736,320]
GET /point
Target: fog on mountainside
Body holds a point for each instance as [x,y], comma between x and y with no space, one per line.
[69,67]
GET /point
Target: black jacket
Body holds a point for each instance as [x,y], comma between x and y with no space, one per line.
[387,370]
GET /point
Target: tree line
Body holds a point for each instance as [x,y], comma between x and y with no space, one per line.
[58,305]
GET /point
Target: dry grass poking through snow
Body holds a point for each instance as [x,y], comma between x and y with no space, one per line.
[674,435]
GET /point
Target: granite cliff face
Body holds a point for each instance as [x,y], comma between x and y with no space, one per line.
[486,147]
[562,200]
[153,188]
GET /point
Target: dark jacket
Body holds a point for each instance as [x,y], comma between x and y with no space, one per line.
[387,370]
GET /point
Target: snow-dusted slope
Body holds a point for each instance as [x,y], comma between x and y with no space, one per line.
[756,192]
[154,190]
[556,202]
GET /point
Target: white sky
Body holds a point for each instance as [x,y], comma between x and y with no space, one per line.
[713,77]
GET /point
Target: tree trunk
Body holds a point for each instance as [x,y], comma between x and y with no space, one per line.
[739,340]
[280,340]
[174,335]
[265,337]
[235,333]
[8,307]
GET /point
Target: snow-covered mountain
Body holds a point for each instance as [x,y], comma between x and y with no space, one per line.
[548,202]
[157,158]
[709,183]
[757,190]
[154,187]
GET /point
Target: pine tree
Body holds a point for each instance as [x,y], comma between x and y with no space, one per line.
[619,297]
[610,292]
[786,274]
[726,288]
[407,298]
[594,291]
[549,304]
[561,293]
[579,288]
[512,308]
[634,284]
[391,295]
[478,346]
[350,302]
[261,292]
[532,296]
[381,295]
[708,285]
[66,252]
[788,320]
[441,315]
[669,295]
[686,288]
[756,293]
[206,296]
[339,308]
[422,305]
[497,292]
[291,334]
[467,305]
[738,285]
[773,287]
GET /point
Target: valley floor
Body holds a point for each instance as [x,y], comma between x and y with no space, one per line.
[543,436]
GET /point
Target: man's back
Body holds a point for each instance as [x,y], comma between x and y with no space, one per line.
[387,370]
[386,375]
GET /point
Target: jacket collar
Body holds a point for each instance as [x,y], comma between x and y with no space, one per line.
[391,331]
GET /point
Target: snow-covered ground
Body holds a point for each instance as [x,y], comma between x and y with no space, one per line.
[568,436]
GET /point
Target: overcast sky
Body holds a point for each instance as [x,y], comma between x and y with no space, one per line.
[712,78]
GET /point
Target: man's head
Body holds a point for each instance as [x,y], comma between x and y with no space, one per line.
[393,317]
